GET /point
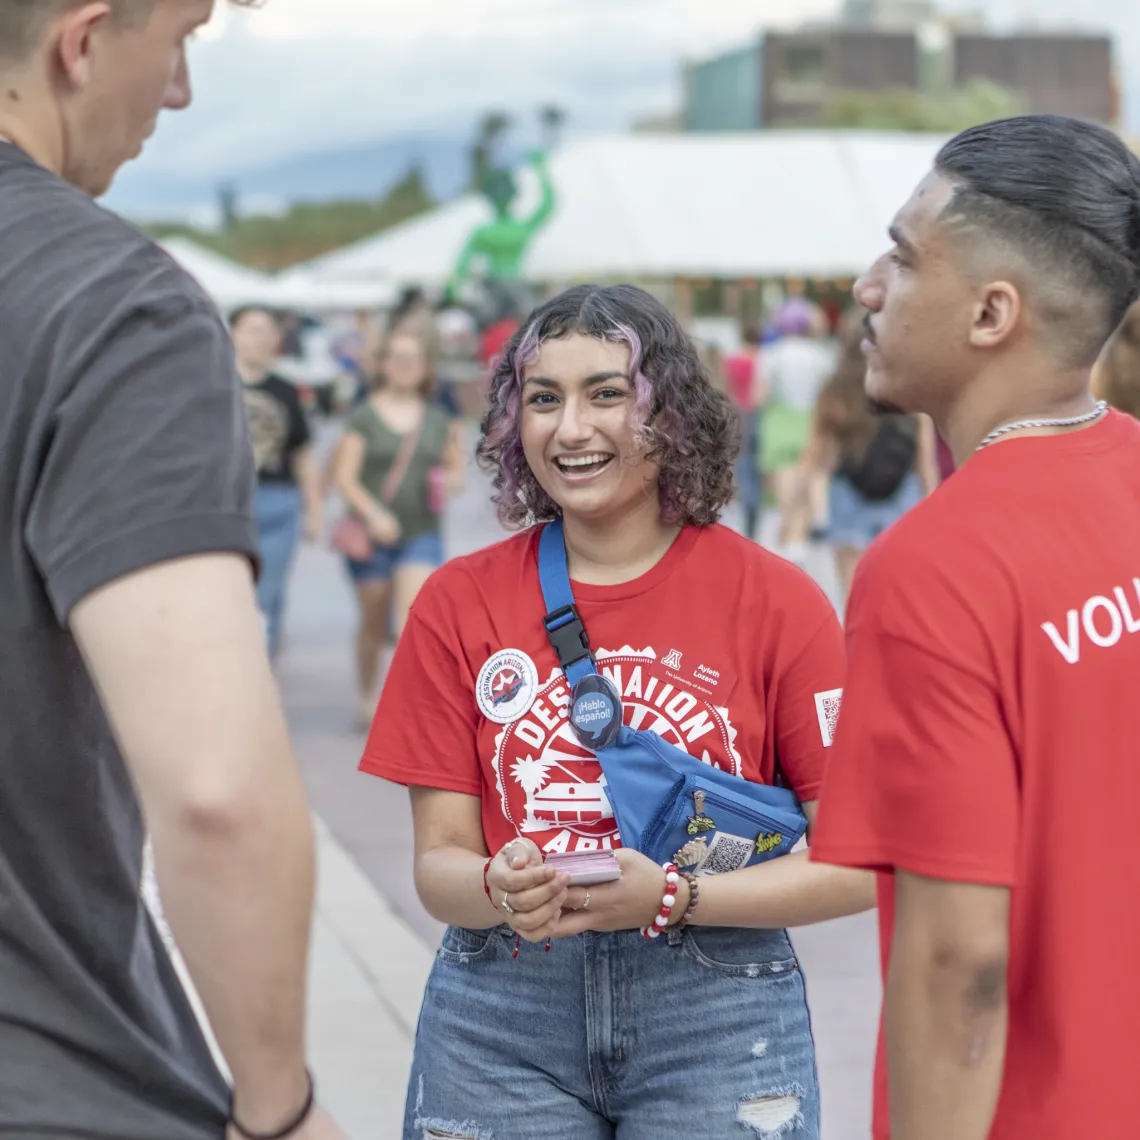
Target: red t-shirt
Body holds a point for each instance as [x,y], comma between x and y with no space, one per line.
[945,459]
[989,735]
[722,648]
[740,371]
[494,340]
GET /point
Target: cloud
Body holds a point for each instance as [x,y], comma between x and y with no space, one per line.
[292,76]
[289,77]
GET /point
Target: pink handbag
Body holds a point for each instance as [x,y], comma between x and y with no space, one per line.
[437,490]
[351,538]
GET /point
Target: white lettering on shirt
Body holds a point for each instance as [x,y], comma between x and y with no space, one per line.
[1102,620]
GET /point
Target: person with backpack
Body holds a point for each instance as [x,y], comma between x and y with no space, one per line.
[879,464]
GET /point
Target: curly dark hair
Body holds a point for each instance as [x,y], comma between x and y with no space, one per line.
[692,430]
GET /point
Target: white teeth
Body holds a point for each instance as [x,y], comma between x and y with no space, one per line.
[584,461]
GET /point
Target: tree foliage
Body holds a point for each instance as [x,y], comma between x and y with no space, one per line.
[308,230]
[904,110]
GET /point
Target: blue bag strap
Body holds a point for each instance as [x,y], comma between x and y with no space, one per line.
[563,624]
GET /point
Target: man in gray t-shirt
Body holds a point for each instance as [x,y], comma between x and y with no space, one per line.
[133,659]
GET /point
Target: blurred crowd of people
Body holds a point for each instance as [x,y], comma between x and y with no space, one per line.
[818,463]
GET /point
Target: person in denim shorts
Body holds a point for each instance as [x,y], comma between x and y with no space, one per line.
[399,459]
[548,1013]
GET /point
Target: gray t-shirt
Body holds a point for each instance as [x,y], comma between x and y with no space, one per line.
[123,443]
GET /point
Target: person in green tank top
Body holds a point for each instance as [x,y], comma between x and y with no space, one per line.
[399,460]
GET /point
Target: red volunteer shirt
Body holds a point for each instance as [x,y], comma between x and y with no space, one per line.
[989,735]
[722,648]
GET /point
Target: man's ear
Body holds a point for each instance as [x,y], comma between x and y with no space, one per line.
[74,35]
[996,315]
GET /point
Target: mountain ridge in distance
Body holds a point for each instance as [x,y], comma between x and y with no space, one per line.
[358,172]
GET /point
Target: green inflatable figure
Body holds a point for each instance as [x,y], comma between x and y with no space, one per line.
[499,246]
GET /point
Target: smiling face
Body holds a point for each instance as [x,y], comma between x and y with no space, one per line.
[404,364]
[576,428]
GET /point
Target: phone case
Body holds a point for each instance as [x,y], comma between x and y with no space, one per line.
[593,878]
[587,868]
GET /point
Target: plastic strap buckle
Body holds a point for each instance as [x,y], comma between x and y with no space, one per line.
[568,636]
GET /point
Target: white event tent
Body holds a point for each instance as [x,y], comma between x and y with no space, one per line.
[231,285]
[756,205]
[227,283]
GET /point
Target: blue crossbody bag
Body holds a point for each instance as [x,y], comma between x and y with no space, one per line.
[668,805]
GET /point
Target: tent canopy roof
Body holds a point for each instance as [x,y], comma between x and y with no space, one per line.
[755,204]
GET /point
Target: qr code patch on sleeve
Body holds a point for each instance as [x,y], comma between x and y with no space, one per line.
[827,709]
[727,853]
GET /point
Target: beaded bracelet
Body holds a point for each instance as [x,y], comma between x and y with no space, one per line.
[694,896]
[668,902]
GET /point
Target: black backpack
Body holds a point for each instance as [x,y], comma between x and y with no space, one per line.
[888,460]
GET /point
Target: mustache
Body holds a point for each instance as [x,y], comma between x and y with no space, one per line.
[882,408]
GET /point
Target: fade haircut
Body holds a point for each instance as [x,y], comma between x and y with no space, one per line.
[23,21]
[1063,196]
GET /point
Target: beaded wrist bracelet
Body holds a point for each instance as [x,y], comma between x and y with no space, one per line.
[668,902]
[694,896]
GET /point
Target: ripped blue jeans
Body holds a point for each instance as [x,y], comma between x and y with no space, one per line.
[702,1034]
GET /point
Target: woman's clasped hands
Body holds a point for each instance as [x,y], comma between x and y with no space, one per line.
[537,902]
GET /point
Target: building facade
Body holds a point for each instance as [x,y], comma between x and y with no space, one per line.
[789,78]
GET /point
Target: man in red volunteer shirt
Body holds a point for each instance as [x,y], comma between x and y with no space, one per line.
[985,759]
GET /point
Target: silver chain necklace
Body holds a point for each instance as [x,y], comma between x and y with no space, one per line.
[1068,421]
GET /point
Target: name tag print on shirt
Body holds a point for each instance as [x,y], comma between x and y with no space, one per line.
[552,789]
[1103,621]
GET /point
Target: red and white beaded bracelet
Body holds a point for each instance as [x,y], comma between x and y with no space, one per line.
[668,902]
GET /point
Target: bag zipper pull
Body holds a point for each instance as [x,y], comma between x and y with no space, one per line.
[699,822]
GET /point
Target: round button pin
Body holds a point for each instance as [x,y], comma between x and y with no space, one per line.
[595,711]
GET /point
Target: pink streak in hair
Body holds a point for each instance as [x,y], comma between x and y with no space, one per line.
[642,388]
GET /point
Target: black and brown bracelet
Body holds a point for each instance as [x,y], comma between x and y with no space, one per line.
[288,1129]
[694,897]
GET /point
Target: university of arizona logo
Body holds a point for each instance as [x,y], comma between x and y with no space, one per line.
[672,659]
[506,685]
[552,788]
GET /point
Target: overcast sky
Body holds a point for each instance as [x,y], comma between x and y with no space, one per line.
[298,75]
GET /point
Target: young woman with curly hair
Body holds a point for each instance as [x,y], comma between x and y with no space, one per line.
[548,1013]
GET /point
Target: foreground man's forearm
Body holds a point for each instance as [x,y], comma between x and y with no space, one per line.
[177,653]
[237,886]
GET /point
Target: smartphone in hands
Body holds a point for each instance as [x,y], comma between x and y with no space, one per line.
[586,868]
